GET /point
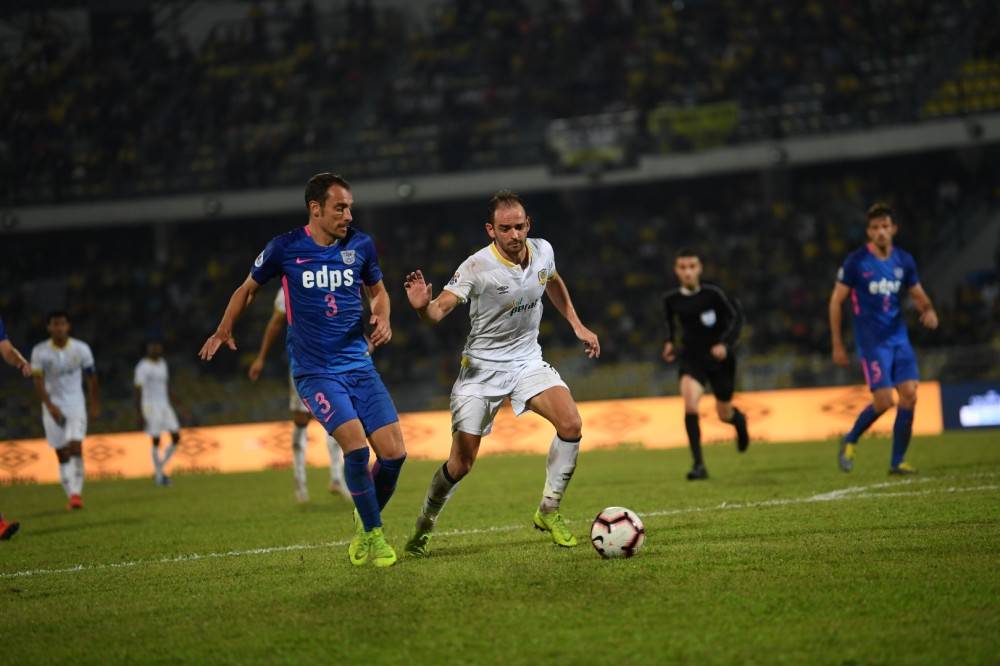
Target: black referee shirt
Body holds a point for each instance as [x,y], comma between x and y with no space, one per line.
[707,316]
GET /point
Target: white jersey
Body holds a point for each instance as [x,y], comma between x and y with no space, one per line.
[63,371]
[505,304]
[152,377]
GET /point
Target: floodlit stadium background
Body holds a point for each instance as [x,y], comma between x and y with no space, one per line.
[149,150]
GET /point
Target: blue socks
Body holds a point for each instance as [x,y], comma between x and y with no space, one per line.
[901,432]
[362,488]
[385,473]
[866,418]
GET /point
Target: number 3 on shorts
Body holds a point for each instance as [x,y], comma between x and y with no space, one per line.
[324,404]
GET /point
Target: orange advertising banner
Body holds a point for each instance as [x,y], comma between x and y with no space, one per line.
[774,416]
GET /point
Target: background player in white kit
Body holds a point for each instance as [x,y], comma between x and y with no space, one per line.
[60,366]
[156,414]
[300,414]
[504,283]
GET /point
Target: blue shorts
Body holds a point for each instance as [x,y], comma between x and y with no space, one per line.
[335,399]
[889,365]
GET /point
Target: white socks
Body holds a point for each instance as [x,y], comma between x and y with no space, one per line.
[299,442]
[76,478]
[66,476]
[336,461]
[559,470]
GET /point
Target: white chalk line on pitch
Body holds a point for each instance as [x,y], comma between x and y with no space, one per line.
[850,493]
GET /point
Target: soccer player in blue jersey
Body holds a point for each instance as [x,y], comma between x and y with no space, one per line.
[874,277]
[13,357]
[322,267]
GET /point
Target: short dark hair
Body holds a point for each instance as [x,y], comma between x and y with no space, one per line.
[57,314]
[686,253]
[505,199]
[880,209]
[316,188]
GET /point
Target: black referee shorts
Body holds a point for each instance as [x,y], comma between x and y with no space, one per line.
[720,375]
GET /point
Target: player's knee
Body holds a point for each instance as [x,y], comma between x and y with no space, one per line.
[460,465]
[882,403]
[301,419]
[908,399]
[570,428]
[724,411]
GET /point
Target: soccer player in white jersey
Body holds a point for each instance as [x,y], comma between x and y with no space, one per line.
[60,365]
[12,357]
[300,413]
[156,414]
[504,283]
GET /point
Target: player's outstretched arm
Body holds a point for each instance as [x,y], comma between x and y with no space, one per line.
[90,379]
[558,293]
[238,303]
[378,300]
[13,357]
[271,332]
[837,298]
[418,293]
[928,317]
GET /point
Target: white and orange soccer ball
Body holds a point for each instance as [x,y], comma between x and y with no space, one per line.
[617,532]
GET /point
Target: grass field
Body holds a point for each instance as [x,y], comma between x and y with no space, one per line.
[779,558]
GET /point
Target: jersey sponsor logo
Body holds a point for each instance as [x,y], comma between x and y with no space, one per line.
[520,306]
[259,261]
[347,256]
[325,278]
[883,287]
[708,318]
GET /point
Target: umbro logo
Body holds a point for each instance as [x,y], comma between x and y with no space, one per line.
[503,289]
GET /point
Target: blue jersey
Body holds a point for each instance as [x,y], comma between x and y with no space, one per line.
[323,305]
[3,331]
[876,295]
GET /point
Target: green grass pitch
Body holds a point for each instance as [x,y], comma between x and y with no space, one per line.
[779,558]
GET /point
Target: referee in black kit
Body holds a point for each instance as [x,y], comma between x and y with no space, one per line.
[711,322]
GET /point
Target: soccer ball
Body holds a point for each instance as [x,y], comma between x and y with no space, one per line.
[617,532]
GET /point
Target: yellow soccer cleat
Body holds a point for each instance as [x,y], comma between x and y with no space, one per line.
[846,456]
[903,469]
[382,554]
[554,524]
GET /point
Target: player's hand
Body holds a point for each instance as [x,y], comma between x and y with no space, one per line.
[929,318]
[719,352]
[255,369]
[25,369]
[418,292]
[668,355]
[840,356]
[57,414]
[95,408]
[213,343]
[381,331]
[591,345]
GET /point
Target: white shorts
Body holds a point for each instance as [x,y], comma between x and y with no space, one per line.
[295,403]
[478,393]
[73,430]
[159,417]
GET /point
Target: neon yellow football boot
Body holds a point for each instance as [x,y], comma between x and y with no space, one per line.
[361,543]
[554,524]
[903,469]
[846,456]
[381,552]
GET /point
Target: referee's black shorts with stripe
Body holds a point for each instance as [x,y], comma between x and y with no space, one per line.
[707,371]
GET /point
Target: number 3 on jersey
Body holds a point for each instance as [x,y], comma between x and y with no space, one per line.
[331,303]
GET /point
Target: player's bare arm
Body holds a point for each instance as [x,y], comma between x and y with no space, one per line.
[837,298]
[378,299]
[669,353]
[719,351]
[93,398]
[928,317]
[238,303]
[14,358]
[558,293]
[418,293]
[43,396]
[271,332]
[138,407]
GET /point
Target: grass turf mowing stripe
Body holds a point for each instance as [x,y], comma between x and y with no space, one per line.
[849,493]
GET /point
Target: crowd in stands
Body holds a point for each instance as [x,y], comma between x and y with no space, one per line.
[774,240]
[129,107]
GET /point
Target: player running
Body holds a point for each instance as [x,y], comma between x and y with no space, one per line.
[14,358]
[873,276]
[156,414]
[60,365]
[504,283]
[711,322]
[322,268]
[300,414]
